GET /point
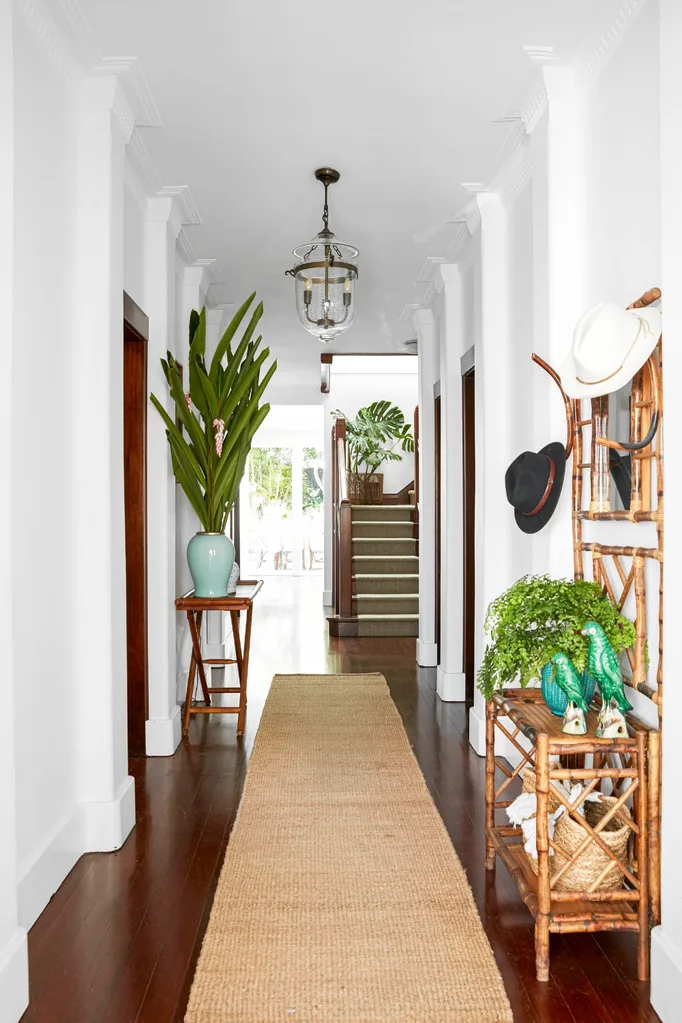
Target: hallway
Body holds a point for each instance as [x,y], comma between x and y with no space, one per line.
[119,941]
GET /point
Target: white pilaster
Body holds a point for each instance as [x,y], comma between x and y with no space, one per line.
[425,326]
[163,224]
[450,679]
[559,286]
[666,943]
[13,951]
[100,669]
[494,523]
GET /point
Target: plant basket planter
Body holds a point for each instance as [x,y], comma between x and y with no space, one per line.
[365,488]
[569,835]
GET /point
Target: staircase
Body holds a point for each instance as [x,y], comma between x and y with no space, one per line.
[385,570]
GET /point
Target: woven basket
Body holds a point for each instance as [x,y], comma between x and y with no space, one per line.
[569,835]
[365,489]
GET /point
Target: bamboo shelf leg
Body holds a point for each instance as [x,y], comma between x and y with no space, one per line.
[542,832]
[642,846]
[489,784]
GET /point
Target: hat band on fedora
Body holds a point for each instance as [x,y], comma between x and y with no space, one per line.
[548,489]
[591,383]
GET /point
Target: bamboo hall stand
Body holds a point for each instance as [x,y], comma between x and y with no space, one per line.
[195,607]
[632,764]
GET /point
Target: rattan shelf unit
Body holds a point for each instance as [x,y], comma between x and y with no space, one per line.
[630,765]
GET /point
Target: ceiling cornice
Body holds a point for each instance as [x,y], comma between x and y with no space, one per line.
[594,57]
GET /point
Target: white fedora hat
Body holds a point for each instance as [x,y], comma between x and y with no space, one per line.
[610,344]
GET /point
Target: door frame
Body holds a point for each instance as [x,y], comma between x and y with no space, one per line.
[135,403]
[468,372]
[437,494]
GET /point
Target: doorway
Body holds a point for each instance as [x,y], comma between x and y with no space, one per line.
[438,506]
[135,341]
[469,516]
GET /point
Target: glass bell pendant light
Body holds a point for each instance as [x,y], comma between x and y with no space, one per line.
[326,276]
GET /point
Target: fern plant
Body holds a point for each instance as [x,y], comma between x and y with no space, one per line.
[220,414]
[373,436]
[539,616]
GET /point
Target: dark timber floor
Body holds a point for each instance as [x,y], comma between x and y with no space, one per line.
[119,941]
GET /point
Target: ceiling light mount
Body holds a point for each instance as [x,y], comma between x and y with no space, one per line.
[325,275]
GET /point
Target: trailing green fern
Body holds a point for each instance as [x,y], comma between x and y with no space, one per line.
[538,617]
[220,414]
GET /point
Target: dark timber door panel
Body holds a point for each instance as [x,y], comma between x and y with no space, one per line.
[135,334]
[469,494]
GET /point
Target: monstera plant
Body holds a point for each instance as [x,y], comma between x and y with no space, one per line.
[371,439]
[210,439]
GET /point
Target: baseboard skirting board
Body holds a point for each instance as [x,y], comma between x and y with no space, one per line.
[90,827]
[427,654]
[666,975]
[451,685]
[477,730]
[14,977]
[162,735]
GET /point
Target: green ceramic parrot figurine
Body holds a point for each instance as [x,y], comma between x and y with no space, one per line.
[568,680]
[604,666]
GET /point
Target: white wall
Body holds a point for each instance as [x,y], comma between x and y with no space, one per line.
[133,248]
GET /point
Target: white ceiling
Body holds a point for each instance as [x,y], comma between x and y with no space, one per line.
[399,96]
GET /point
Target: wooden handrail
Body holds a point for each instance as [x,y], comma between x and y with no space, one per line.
[342,552]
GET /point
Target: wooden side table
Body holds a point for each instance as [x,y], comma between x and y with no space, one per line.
[195,607]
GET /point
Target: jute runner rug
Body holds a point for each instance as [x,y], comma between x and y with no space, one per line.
[341,898]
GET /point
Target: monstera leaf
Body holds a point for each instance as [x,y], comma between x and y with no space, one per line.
[373,436]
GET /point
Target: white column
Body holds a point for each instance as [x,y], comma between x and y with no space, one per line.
[100,669]
[193,291]
[557,154]
[450,679]
[666,940]
[296,508]
[425,326]
[13,951]
[494,520]
[163,728]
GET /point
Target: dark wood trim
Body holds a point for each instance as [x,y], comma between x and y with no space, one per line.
[401,497]
[135,402]
[437,508]
[469,516]
[135,317]
[342,627]
[326,360]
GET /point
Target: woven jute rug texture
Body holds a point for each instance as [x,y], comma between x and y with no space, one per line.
[341,898]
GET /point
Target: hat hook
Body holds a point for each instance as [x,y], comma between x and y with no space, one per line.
[567,401]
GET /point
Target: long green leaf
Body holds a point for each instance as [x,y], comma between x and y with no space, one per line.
[189,421]
[240,350]
[242,386]
[173,430]
[224,343]
[188,482]
[211,396]
[198,339]
[193,324]
[240,421]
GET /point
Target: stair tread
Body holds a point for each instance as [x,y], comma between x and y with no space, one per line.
[383,539]
[385,596]
[389,617]
[384,557]
[386,575]
[403,506]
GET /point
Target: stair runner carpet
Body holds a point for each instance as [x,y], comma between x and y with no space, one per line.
[341,897]
[385,570]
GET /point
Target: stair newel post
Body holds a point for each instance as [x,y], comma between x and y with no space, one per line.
[343,546]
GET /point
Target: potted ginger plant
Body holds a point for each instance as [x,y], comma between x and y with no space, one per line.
[220,414]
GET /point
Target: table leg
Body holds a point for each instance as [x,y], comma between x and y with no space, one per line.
[190,694]
[244,670]
[194,628]
[234,615]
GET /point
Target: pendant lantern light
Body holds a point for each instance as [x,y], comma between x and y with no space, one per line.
[325,276]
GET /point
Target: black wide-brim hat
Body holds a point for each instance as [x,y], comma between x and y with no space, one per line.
[533,483]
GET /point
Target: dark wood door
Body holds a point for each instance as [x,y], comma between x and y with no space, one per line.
[135,334]
[437,485]
[469,494]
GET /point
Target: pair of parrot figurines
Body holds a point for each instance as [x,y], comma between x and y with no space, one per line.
[604,667]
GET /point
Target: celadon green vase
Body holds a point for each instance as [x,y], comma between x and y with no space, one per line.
[210,557]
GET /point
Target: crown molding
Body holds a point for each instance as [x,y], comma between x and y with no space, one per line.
[515,175]
[213,270]
[594,57]
[408,311]
[446,273]
[423,322]
[542,55]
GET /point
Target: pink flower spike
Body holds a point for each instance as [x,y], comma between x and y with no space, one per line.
[188,399]
[219,427]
